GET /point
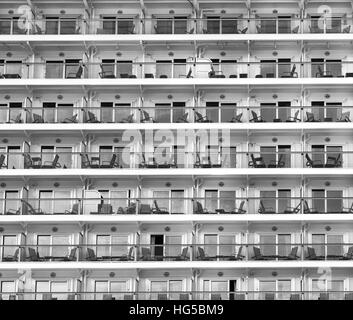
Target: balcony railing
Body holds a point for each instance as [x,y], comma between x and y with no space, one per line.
[181,295]
[167,158]
[196,68]
[172,205]
[229,113]
[260,251]
[175,25]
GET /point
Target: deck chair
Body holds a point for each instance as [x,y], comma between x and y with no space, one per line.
[295,296]
[348,210]
[348,255]
[91,255]
[29,163]
[183,118]
[312,255]
[241,209]
[184,296]
[269,296]
[129,119]
[256,162]
[33,255]
[12,258]
[238,256]
[191,31]
[346,29]
[296,29]
[37,118]
[74,210]
[91,118]
[75,75]
[256,118]
[110,164]
[72,119]
[264,210]
[243,31]
[259,256]
[216,296]
[313,163]
[323,74]
[105,73]
[345,117]
[145,209]
[293,209]
[198,209]
[290,74]
[85,162]
[131,209]
[129,256]
[184,255]
[162,296]
[307,209]
[334,162]
[200,118]
[146,254]
[158,210]
[105,208]
[71,256]
[292,255]
[2,161]
[52,164]
[237,118]
[324,296]
[310,117]
[202,256]
[28,209]
[16,120]
[295,118]
[188,75]
[145,117]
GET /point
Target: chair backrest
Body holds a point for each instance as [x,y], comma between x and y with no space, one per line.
[146,253]
[131,251]
[189,73]
[72,255]
[311,253]
[2,160]
[112,160]
[146,115]
[244,30]
[55,161]
[37,118]
[216,296]
[128,297]
[319,70]
[293,252]
[293,70]
[91,116]
[156,205]
[239,296]
[296,115]
[345,116]
[130,118]
[18,118]
[162,296]
[310,116]
[269,296]
[15,255]
[91,254]
[239,252]
[296,29]
[145,208]
[201,252]
[32,254]
[308,159]
[237,118]
[262,207]
[257,252]
[241,206]
[347,29]
[184,253]
[199,208]
[254,115]
[306,206]
[350,253]
[79,71]
[74,209]
[198,115]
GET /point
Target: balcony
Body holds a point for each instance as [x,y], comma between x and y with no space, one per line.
[121,252]
[184,24]
[198,68]
[15,113]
